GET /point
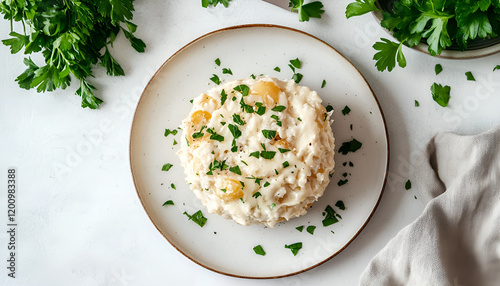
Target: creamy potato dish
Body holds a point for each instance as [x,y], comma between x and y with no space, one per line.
[258,151]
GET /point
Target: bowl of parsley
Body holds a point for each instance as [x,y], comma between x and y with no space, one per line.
[456,29]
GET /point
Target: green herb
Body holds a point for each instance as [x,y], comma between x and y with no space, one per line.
[330,108]
[344,175]
[187,141]
[205,3]
[273,205]
[277,69]
[72,36]
[175,142]
[197,217]
[297,77]
[199,134]
[223,190]
[168,132]
[235,169]
[323,83]
[283,150]
[256,195]
[259,250]
[346,110]
[237,119]
[267,154]
[286,164]
[260,109]
[217,62]
[244,162]
[440,94]
[351,164]
[469,76]
[276,172]
[388,53]
[438,69]
[299,119]
[496,68]
[408,185]
[306,11]
[417,104]
[223,97]
[215,79]
[311,229]
[275,117]
[257,180]
[330,216]
[172,186]
[243,89]
[350,146]
[235,131]
[252,76]
[340,205]
[360,7]
[166,167]
[296,63]
[295,247]
[242,201]
[300,228]
[247,108]
[217,165]
[278,108]
[255,154]
[267,184]
[227,71]
[342,182]
[169,202]
[269,134]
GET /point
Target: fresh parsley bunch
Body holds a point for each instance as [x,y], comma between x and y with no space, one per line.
[72,35]
[439,23]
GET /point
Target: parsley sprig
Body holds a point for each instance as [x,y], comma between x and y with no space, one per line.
[72,36]
[440,24]
[306,11]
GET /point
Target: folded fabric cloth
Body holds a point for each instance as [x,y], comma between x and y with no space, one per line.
[456,240]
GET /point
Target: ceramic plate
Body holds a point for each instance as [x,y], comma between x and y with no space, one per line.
[222,245]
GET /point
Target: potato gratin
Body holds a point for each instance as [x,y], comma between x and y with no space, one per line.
[258,151]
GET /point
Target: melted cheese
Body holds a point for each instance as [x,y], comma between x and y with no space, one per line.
[235,177]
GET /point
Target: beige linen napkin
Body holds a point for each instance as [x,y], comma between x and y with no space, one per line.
[456,240]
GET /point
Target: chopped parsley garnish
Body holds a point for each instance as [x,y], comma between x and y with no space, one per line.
[295,247]
[438,69]
[470,76]
[351,164]
[256,195]
[297,77]
[267,154]
[311,229]
[187,141]
[234,148]
[217,137]
[172,186]
[205,3]
[323,83]
[260,109]
[267,184]
[259,250]
[197,217]
[286,164]
[252,76]
[217,165]
[243,89]
[269,134]
[408,185]
[273,205]
[330,216]
[237,119]
[255,154]
[496,68]
[247,108]
[277,69]
[166,167]
[168,132]
[296,64]
[300,228]
[227,71]
[223,97]
[199,134]
[342,182]
[275,117]
[440,94]
[242,201]
[235,169]
[217,62]
[257,180]
[244,162]
[330,108]
[346,110]
[340,205]
[169,202]
[299,119]
[417,104]
[283,150]
[235,131]
[278,108]
[215,79]
[350,146]
[175,142]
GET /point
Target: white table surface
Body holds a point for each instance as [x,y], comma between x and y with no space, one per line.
[80,221]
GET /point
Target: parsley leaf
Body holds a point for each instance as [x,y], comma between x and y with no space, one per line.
[441,94]
[243,89]
[255,154]
[267,154]
[166,167]
[269,134]
[330,216]
[470,76]
[223,97]
[408,185]
[340,205]
[168,132]
[438,69]
[235,169]
[217,60]
[235,131]
[278,108]
[169,202]
[388,53]
[283,150]
[360,7]
[237,119]
[350,146]
[346,110]
[259,250]
[206,3]
[295,247]
[256,195]
[300,228]
[310,229]
[215,79]
[310,10]
[227,71]
[197,217]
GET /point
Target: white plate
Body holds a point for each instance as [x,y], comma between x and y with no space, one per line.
[222,245]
